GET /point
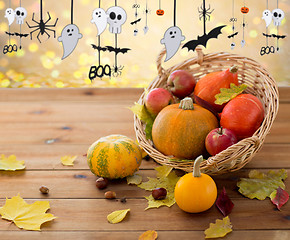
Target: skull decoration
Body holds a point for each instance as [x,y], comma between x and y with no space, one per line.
[278,16]
[20,14]
[117,16]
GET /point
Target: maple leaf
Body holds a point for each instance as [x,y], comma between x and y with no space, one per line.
[148,235]
[224,203]
[227,94]
[219,229]
[168,201]
[279,197]
[11,163]
[135,179]
[68,160]
[117,216]
[24,215]
[261,185]
[142,113]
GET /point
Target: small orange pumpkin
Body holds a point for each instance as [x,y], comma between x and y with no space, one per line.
[160,12]
[180,130]
[244,10]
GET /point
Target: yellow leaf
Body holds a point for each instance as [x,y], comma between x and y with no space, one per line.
[218,229]
[168,201]
[227,94]
[68,160]
[24,215]
[117,216]
[148,235]
[135,179]
[261,185]
[10,163]
[163,171]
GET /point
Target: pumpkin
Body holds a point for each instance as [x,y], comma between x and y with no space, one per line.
[160,12]
[180,130]
[244,10]
[209,85]
[243,115]
[114,156]
[195,192]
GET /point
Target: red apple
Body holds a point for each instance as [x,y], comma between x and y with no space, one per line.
[157,99]
[219,139]
[181,83]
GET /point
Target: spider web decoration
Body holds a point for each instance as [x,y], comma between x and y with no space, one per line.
[233,20]
[160,11]
[41,26]
[204,13]
[136,6]
[244,11]
[70,36]
[10,15]
[172,38]
[146,12]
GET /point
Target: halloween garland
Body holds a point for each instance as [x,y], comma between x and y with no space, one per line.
[10,15]
[136,6]
[244,11]
[146,12]
[233,20]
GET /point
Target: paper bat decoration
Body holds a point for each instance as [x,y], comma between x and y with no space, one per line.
[233,35]
[136,21]
[278,36]
[9,33]
[117,50]
[99,48]
[21,35]
[202,40]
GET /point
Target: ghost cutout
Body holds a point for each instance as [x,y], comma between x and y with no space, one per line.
[233,45]
[172,40]
[70,36]
[20,14]
[117,16]
[99,17]
[10,15]
[267,16]
[278,16]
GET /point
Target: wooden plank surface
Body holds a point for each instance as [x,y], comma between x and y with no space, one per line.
[39,126]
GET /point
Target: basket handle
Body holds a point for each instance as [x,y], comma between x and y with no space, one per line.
[162,71]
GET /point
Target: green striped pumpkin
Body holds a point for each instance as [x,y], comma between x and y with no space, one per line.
[114,156]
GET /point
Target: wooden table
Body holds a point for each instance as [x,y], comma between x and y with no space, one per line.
[40,126]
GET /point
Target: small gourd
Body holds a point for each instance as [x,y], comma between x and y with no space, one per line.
[195,192]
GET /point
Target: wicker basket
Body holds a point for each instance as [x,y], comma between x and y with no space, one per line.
[260,83]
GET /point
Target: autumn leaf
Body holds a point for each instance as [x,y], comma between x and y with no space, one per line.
[11,163]
[148,235]
[68,160]
[24,215]
[168,201]
[224,203]
[226,94]
[279,197]
[136,179]
[141,112]
[163,171]
[261,185]
[117,216]
[218,229]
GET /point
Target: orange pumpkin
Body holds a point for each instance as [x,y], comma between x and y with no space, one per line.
[244,10]
[180,129]
[160,12]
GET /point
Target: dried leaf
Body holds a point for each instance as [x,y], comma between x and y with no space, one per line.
[260,185]
[224,203]
[117,216]
[141,112]
[168,201]
[163,171]
[11,163]
[68,160]
[206,105]
[279,197]
[136,179]
[218,229]
[227,94]
[148,235]
[24,215]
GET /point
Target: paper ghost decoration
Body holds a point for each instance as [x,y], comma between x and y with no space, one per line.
[278,15]
[172,40]
[117,16]
[10,15]
[100,18]
[70,36]
[267,16]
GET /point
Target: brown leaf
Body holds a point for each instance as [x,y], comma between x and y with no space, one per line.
[148,235]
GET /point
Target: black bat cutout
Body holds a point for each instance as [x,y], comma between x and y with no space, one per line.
[214,33]
[21,35]
[135,22]
[267,35]
[118,50]
[278,36]
[99,48]
[10,34]
[233,35]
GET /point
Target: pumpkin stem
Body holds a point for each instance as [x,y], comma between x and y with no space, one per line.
[234,69]
[196,167]
[186,104]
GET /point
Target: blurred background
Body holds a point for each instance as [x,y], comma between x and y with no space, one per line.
[39,64]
